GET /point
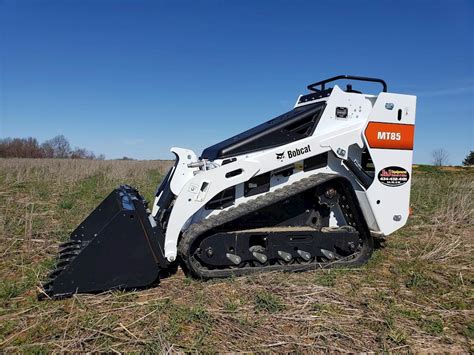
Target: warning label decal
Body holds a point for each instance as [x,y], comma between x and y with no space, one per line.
[393,176]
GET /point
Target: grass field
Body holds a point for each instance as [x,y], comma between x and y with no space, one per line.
[415,294]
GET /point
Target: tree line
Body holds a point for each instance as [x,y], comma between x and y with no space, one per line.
[56,147]
[440,157]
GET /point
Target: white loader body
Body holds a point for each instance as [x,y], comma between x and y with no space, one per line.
[385,205]
[308,189]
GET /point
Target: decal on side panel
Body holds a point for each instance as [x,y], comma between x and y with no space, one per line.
[390,135]
[295,152]
[393,176]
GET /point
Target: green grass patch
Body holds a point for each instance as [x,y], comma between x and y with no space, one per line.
[409,313]
[417,280]
[468,330]
[230,306]
[10,289]
[265,301]
[6,328]
[398,336]
[326,278]
[376,259]
[433,325]
[431,169]
[66,205]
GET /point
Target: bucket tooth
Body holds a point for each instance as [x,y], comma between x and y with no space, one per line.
[68,255]
[71,243]
[46,285]
[63,263]
[56,272]
[71,248]
[43,296]
[115,247]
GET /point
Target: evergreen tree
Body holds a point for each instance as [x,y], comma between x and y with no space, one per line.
[469,159]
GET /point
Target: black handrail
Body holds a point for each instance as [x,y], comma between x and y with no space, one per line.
[323,83]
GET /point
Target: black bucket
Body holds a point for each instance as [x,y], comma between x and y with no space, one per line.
[118,246]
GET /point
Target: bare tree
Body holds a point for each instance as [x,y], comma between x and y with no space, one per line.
[79,153]
[57,147]
[48,150]
[20,148]
[440,157]
[82,153]
[60,145]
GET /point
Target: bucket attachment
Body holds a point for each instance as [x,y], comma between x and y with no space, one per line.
[118,246]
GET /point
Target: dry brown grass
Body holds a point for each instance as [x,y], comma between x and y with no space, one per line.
[414,295]
[66,171]
[451,223]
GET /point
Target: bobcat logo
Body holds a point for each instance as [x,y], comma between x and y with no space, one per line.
[280,155]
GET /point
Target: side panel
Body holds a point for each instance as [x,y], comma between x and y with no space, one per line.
[389,135]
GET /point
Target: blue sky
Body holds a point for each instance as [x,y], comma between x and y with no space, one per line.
[137,77]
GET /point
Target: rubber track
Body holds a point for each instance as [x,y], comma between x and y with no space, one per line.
[197,229]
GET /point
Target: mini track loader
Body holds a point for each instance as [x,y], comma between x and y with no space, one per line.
[308,189]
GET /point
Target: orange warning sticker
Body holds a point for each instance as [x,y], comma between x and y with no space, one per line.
[390,135]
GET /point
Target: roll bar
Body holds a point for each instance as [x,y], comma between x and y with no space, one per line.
[322,83]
